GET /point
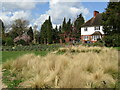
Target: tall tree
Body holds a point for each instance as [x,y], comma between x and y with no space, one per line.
[60,29]
[2,29]
[46,33]
[77,25]
[111,24]
[56,35]
[111,19]
[20,26]
[49,31]
[2,33]
[34,33]
[64,25]
[43,33]
[30,33]
[69,26]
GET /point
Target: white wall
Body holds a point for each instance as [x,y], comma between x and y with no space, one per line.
[91,30]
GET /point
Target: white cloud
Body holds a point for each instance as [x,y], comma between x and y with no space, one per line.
[58,10]
[41,19]
[20,14]
[9,17]
[22,4]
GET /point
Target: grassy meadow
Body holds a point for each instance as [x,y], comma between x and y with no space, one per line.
[67,67]
[8,55]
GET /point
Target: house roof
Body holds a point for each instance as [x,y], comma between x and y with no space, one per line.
[94,21]
[97,33]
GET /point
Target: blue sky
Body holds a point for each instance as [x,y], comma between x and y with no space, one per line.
[99,6]
[38,12]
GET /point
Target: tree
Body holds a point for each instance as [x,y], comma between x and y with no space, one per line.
[49,31]
[30,33]
[111,23]
[35,33]
[77,26]
[56,35]
[68,26]
[37,37]
[60,29]
[20,26]
[2,29]
[46,32]
[2,32]
[9,41]
[64,25]
[43,33]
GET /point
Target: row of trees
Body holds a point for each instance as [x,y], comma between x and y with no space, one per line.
[46,35]
[67,29]
[49,35]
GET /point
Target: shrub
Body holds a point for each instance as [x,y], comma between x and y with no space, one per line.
[9,41]
[21,42]
[98,43]
[112,40]
[3,41]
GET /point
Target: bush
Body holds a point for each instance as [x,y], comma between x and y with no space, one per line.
[3,41]
[9,41]
[21,42]
[112,40]
[99,43]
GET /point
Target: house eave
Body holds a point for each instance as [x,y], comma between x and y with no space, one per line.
[91,26]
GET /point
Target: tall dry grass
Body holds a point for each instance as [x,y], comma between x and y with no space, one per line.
[87,68]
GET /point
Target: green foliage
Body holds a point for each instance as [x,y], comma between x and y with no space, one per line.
[112,40]
[37,37]
[30,33]
[46,33]
[64,25]
[9,41]
[3,41]
[98,43]
[12,34]
[21,42]
[77,26]
[111,24]
[56,35]
[68,26]
[2,29]
[7,79]
[32,48]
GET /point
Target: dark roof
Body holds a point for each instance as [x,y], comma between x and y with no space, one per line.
[97,33]
[94,21]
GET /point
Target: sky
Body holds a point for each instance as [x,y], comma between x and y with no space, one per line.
[37,12]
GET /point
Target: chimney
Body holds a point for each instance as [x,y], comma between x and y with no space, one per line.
[95,13]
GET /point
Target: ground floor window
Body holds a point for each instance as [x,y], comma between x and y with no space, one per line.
[85,37]
[95,37]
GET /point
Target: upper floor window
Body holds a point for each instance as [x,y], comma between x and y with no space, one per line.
[85,29]
[97,27]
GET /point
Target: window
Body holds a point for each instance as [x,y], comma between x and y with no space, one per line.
[85,37]
[97,28]
[85,29]
[95,37]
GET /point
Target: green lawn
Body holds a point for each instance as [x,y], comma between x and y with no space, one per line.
[7,55]
[118,48]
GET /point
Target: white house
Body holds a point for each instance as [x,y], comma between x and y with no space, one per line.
[92,29]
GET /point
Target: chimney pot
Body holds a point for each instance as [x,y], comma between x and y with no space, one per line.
[95,13]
